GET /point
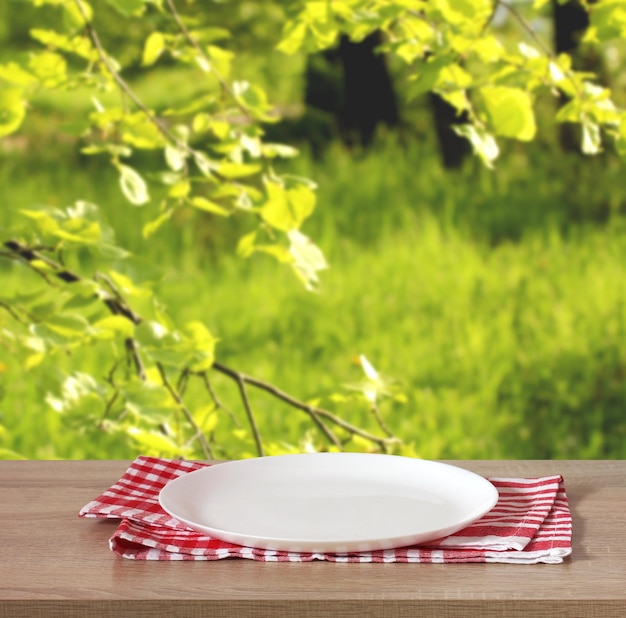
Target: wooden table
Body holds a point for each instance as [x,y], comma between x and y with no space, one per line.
[54,564]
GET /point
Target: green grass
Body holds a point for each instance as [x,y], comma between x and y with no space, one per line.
[506,352]
[495,301]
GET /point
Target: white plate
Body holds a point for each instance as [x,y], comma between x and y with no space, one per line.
[328,502]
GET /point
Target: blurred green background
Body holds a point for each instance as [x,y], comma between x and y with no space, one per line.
[494,299]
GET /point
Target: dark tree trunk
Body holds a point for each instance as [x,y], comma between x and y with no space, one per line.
[453,147]
[323,84]
[351,85]
[570,22]
[369,95]
[349,90]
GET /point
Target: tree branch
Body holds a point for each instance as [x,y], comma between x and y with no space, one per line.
[131,347]
[537,39]
[12,313]
[181,25]
[251,418]
[379,419]
[224,85]
[118,306]
[28,255]
[218,403]
[527,27]
[206,447]
[222,82]
[124,87]
[313,411]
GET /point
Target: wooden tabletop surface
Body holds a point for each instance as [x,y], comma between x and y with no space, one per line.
[54,564]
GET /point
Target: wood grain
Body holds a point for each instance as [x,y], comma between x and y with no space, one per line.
[54,564]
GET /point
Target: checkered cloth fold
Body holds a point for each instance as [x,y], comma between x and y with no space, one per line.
[530,523]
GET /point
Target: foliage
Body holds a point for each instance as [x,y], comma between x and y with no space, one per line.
[452,48]
[415,286]
[208,154]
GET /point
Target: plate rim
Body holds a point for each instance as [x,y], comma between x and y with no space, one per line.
[329,546]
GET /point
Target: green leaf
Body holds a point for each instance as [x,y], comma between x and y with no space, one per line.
[12,110]
[322,25]
[591,138]
[201,344]
[31,299]
[278,150]
[415,40]
[152,49]
[220,60]
[127,286]
[211,34]
[426,76]
[49,67]
[152,226]
[133,185]
[70,326]
[78,224]
[78,44]
[220,128]
[243,195]
[245,246]
[80,395]
[175,157]
[63,329]
[470,14]
[207,205]
[607,21]
[254,99]
[128,8]
[14,74]
[465,8]
[308,259]
[33,360]
[410,50]
[151,333]
[86,232]
[206,418]
[113,326]
[174,355]
[488,48]
[229,169]
[74,17]
[163,346]
[452,82]
[201,122]
[139,131]
[279,252]
[510,112]
[286,209]
[294,35]
[203,163]
[483,143]
[145,398]
[82,294]
[155,443]
[193,348]
[180,189]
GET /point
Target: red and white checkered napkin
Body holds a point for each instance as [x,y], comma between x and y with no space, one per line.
[531,523]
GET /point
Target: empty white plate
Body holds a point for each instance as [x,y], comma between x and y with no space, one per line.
[328,502]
